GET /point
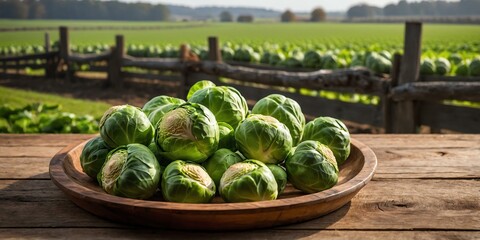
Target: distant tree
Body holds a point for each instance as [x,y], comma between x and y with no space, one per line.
[245,18]
[36,9]
[469,7]
[226,16]
[13,9]
[403,8]
[288,16]
[363,11]
[318,15]
[390,10]
[159,13]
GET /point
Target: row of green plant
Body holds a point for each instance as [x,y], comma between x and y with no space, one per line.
[44,118]
[446,59]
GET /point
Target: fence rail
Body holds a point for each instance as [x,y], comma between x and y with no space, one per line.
[408,100]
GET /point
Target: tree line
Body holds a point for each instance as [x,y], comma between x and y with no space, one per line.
[91,9]
[422,8]
[317,15]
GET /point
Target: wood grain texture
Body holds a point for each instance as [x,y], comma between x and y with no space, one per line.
[382,205]
[279,234]
[24,168]
[428,91]
[409,198]
[29,140]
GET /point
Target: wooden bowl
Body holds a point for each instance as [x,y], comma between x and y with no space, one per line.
[292,206]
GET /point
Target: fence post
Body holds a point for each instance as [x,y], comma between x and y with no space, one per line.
[389,104]
[182,88]
[17,63]
[48,60]
[214,53]
[115,62]
[406,114]
[65,51]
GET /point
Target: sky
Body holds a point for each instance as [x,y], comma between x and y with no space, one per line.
[281,5]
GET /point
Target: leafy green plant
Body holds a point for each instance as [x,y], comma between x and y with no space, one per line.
[44,118]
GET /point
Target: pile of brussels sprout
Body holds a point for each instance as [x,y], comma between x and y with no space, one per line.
[190,151]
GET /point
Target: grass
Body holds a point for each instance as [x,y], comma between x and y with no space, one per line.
[20,98]
[331,33]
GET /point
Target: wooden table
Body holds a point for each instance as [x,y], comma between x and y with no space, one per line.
[425,187]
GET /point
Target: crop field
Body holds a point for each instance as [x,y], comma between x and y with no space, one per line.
[258,33]
[296,45]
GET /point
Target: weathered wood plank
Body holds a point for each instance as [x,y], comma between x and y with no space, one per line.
[27,140]
[29,56]
[439,163]
[435,78]
[359,79]
[429,91]
[24,168]
[455,118]
[419,141]
[381,205]
[33,151]
[407,204]
[141,233]
[163,77]
[405,112]
[87,58]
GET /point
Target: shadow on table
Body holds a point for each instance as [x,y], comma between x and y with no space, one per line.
[36,208]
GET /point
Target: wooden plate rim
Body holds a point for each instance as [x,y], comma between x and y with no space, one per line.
[72,188]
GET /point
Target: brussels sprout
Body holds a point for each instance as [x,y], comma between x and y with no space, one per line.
[199,86]
[275,58]
[291,63]
[265,57]
[227,137]
[312,59]
[378,63]
[463,69]
[125,124]
[312,167]
[187,183]
[227,54]
[226,103]
[219,162]
[475,67]
[455,58]
[158,106]
[248,181]
[386,54]
[427,67]
[93,156]
[189,132]
[263,138]
[443,66]
[285,110]
[280,176]
[161,160]
[329,61]
[130,171]
[245,54]
[331,132]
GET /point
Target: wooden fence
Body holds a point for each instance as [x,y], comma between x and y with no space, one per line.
[408,101]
